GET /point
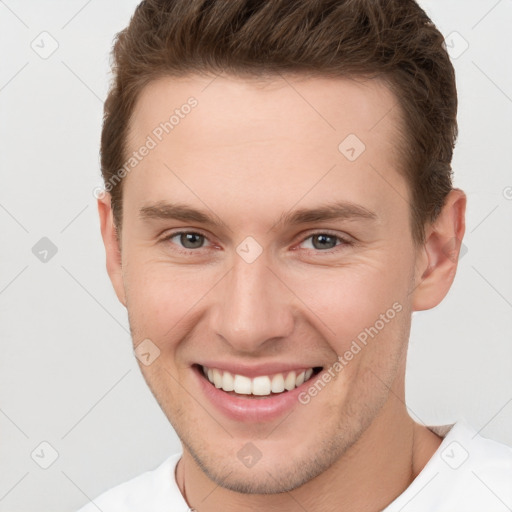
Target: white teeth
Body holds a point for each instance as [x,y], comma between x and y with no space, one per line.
[277,383]
[242,385]
[289,382]
[217,378]
[262,385]
[228,382]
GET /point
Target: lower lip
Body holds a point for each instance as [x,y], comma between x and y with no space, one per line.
[253,410]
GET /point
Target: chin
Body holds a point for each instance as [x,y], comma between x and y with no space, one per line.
[263,478]
[273,473]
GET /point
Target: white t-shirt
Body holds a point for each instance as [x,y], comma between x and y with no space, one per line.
[467,473]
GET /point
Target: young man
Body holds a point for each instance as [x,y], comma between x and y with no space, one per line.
[278,202]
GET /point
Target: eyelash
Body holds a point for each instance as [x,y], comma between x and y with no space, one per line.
[344,242]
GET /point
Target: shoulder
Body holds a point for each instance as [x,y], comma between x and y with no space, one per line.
[151,491]
[464,447]
[467,473]
[488,463]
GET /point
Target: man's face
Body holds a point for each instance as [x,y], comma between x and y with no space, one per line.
[259,287]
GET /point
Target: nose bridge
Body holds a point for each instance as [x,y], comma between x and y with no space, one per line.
[253,307]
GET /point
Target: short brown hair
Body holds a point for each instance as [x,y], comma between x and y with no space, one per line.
[391,39]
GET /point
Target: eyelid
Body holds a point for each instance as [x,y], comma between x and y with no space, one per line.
[168,235]
[345,240]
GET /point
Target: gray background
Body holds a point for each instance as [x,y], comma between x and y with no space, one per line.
[68,376]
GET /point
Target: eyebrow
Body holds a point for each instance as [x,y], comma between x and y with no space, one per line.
[175,211]
[340,210]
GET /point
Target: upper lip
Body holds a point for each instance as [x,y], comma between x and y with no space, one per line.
[256,370]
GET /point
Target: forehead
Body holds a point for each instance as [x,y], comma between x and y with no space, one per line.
[309,106]
[276,137]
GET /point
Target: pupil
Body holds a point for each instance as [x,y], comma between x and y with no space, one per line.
[191,240]
[324,242]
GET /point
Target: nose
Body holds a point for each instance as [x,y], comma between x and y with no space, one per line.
[254,308]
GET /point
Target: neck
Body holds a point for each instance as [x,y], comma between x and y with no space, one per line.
[384,461]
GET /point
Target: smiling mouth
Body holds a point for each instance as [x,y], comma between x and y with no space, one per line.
[263,386]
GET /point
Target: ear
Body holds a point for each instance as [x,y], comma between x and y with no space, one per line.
[112,243]
[437,259]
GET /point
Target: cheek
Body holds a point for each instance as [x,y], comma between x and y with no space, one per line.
[361,302]
[162,299]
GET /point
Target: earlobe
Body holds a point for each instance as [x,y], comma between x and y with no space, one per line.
[437,261]
[112,246]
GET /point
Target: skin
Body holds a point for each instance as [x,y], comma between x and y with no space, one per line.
[250,152]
